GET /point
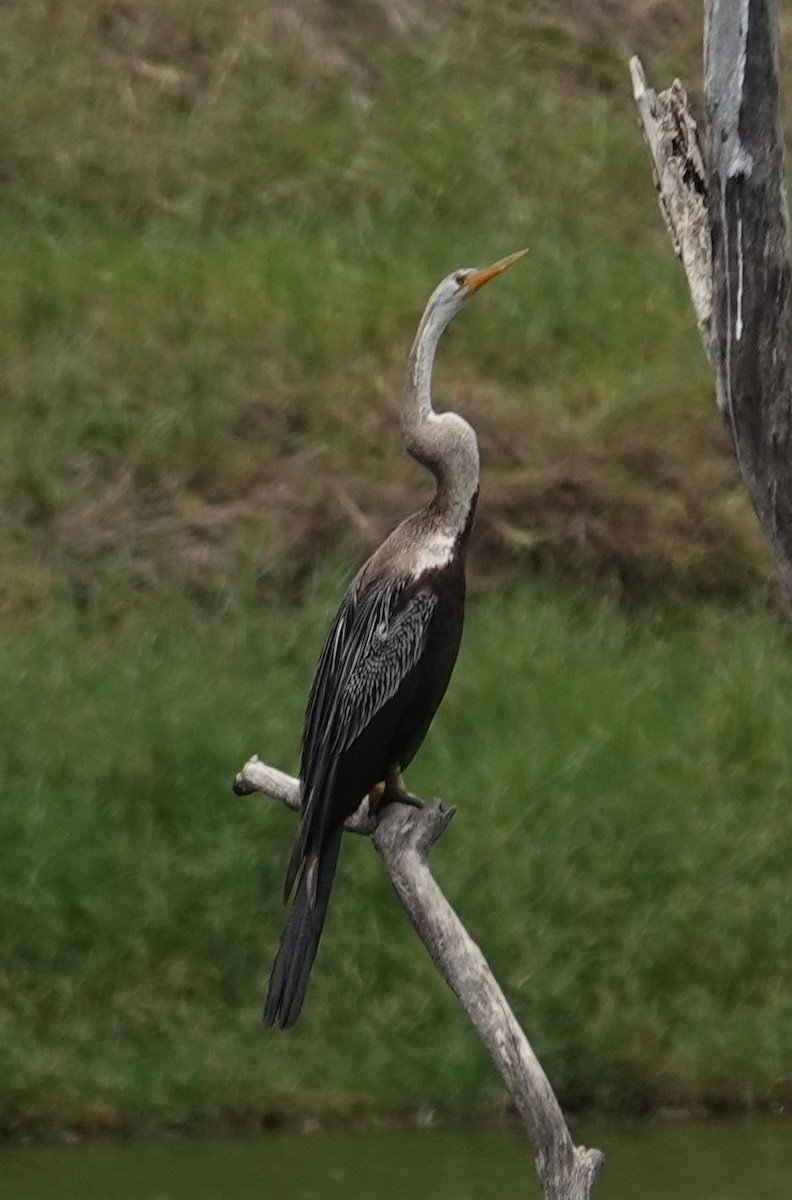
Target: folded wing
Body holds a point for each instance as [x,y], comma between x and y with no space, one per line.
[368,662]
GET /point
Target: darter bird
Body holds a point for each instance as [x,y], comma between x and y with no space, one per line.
[388,656]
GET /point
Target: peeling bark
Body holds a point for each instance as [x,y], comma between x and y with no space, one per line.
[671,136]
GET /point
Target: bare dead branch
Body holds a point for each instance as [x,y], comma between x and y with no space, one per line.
[671,136]
[257,776]
[403,838]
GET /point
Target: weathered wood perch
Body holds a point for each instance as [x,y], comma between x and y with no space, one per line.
[403,838]
[726,209]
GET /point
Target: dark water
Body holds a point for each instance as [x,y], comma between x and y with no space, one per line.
[676,1161]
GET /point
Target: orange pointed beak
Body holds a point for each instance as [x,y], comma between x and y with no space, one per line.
[481,277]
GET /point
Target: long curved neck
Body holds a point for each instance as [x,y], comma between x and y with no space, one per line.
[444,443]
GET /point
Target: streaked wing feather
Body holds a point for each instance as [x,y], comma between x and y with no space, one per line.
[327,669]
[375,641]
[386,658]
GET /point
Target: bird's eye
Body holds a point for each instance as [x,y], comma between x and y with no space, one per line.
[460,278]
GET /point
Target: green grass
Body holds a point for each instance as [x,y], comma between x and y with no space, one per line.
[218,225]
[217,231]
[620,853]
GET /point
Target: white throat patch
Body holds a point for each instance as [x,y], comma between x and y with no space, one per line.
[436,552]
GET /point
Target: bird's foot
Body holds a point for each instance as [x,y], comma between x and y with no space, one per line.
[392,791]
[396,792]
[404,797]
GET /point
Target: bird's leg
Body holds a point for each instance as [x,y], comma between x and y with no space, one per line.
[392,791]
[396,792]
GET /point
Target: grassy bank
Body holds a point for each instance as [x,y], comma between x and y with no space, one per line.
[218,226]
[621,852]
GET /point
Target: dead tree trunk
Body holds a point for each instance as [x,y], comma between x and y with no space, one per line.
[726,209]
[403,838]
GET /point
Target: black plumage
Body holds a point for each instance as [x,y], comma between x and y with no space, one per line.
[382,673]
[389,653]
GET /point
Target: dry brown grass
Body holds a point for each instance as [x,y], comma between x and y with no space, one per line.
[631,504]
[643,511]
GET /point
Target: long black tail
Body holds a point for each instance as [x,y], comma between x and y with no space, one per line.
[299,940]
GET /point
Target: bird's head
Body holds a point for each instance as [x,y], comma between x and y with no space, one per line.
[453,292]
